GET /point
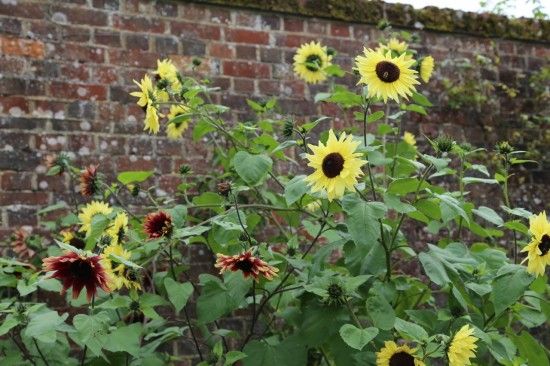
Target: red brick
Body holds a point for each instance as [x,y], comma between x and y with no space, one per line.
[63,90]
[81,16]
[133,58]
[246,36]
[11,66]
[169,183]
[243,85]
[107,38]
[191,11]
[18,216]
[16,181]
[246,69]
[200,30]
[269,87]
[104,75]
[23,198]
[23,10]
[70,33]
[53,143]
[292,40]
[293,25]
[77,72]
[13,105]
[246,52]
[22,47]
[71,51]
[138,24]
[339,30]
[220,50]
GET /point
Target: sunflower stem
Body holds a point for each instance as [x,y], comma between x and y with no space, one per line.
[248,238]
[40,353]
[91,312]
[353,316]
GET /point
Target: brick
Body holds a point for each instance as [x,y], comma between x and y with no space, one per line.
[134,58]
[75,72]
[80,16]
[193,47]
[18,216]
[166,9]
[16,181]
[269,87]
[10,26]
[166,45]
[220,50]
[70,33]
[243,85]
[219,16]
[11,66]
[21,87]
[201,31]
[23,10]
[339,30]
[23,198]
[51,142]
[14,105]
[104,75]
[137,41]
[107,38]
[246,52]
[18,160]
[106,4]
[16,123]
[22,47]
[76,52]
[80,109]
[246,69]
[17,140]
[293,25]
[270,55]
[246,36]
[138,24]
[63,90]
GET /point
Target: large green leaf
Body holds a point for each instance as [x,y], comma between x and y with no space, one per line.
[91,331]
[290,352]
[137,176]
[531,349]
[218,298]
[488,214]
[43,326]
[295,189]
[252,168]
[410,330]
[357,338]
[362,220]
[381,312]
[125,339]
[508,288]
[178,293]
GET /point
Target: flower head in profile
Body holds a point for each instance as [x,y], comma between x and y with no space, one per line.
[19,244]
[89,211]
[386,76]
[118,228]
[158,225]
[393,355]
[538,249]
[249,265]
[394,45]
[89,181]
[310,61]
[151,120]
[409,138]
[69,237]
[123,276]
[427,65]
[337,165]
[146,94]
[79,271]
[176,129]
[462,347]
[166,70]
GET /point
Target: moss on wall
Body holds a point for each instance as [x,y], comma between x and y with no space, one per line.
[400,15]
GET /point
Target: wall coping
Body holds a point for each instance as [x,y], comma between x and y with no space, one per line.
[404,16]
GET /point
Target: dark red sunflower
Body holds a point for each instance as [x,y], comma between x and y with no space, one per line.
[79,271]
[157,225]
[248,264]
[89,181]
[19,244]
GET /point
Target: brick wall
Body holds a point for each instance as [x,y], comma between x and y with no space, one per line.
[67,66]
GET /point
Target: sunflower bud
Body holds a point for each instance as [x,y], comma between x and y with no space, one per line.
[224,188]
[444,144]
[336,295]
[134,189]
[184,169]
[504,148]
[288,129]
[196,61]
[331,52]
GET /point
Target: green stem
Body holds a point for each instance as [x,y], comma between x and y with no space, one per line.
[353,316]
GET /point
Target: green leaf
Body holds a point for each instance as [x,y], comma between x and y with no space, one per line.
[295,189]
[410,330]
[252,168]
[530,349]
[422,100]
[125,339]
[395,203]
[290,352]
[91,331]
[98,226]
[381,312]
[42,326]
[233,356]
[362,220]
[405,185]
[334,70]
[137,176]
[357,338]
[468,180]
[8,323]
[488,214]
[434,269]
[373,117]
[178,293]
[508,288]
[217,298]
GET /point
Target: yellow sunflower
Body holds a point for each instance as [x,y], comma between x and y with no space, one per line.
[175,130]
[152,119]
[89,211]
[409,138]
[118,228]
[392,354]
[310,61]
[386,76]
[395,45]
[66,236]
[123,276]
[337,165]
[146,94]
[426,68]
[538,250]
[167,71]
[462,347]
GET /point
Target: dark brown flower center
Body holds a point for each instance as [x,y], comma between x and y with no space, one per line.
[544,245]
[333,164]
[401,359]
[313,62]
[82,270]
[245,265]
[387,71]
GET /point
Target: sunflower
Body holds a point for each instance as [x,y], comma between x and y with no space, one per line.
[310,61]
[394,355]
[538,250]
[337,165]
[89,181]
[146,94]
[176,129]
[89,211]
[167,71]
[386,76]
[152,119]
[70,238]
[426,68]
[409,138]
[79,271]
[395,45]
[157,225]
[248,264]
[462,347]
[119,228]
[123,276]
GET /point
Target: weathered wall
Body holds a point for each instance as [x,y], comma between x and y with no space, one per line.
[67,66]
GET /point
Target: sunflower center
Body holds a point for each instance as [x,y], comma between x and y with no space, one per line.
[313,62]
[245,265]
[82,270]
[387,71]
[401,359]
[335,291]
[544,245]
[333,164]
